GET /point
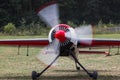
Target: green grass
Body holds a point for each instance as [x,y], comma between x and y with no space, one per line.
[113,36]
[19,67]
[20,37]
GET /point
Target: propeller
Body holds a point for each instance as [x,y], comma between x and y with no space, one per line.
[83,33]
[49,13]
[49,53]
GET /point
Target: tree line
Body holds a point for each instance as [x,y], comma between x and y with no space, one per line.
[75,11]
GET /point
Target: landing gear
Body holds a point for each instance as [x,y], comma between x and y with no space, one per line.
[35,75]
[77,67]
[93,75]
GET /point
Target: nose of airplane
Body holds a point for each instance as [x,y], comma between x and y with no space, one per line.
[60,35]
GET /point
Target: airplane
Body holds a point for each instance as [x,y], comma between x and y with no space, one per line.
[63,40]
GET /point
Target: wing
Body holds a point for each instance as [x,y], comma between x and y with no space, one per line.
[101,42]
[25,42]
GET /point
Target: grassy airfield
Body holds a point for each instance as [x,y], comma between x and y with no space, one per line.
[19,67]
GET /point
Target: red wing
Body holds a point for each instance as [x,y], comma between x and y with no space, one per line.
[102,42]
[24,42]
[45,41]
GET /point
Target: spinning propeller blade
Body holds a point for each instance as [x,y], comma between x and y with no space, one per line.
[49,53]
[49,13]
[84,34]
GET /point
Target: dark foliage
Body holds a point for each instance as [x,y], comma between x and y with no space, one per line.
[76,11]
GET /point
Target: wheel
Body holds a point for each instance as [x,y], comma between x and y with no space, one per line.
[78,68]
[94,75]
[34,75]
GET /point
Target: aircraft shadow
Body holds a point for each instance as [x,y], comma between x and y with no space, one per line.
[80,76]
[82,71]
[75,77]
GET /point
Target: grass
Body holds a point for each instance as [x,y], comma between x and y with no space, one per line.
[19,67]
[115,36]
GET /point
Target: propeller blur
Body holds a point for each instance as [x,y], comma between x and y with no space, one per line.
[49,13]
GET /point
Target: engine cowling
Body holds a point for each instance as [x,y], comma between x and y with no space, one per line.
[59,33]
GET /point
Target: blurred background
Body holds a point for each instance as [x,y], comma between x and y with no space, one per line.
[18,17]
